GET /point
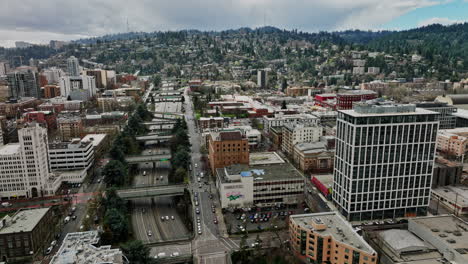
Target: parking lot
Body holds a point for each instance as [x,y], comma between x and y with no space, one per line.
[261,218]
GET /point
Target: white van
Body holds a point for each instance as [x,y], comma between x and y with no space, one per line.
[144,173]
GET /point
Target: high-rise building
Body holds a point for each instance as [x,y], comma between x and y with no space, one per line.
[73,66]
[227,148]
[24,166]
[262,76]
[24,83]
[53,75]
[384,160]
[4,68]
[78,87]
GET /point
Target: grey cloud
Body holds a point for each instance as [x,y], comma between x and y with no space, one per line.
[98,17]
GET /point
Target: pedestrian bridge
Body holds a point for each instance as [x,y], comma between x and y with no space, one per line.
[147,158]
[151,191]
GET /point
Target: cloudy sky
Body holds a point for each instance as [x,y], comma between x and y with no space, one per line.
[39,21]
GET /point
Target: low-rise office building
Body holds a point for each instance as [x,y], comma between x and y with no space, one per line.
[281,120]
[328,238]
[314,157]
[265,184]
[70,126]
[452,197]
[26,234]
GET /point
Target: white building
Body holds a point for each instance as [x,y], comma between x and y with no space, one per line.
[373,70]
[358,70]
[78,87]
[24,166]
[83,247]
[262,79]
[384,160]
[299,133]
[74,155]
[269,182]
[53,75]
[73,66]
[281,120]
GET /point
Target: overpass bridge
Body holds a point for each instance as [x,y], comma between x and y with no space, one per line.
[154,137]
[160,124]
[165,115]
[148,158]
[151,191]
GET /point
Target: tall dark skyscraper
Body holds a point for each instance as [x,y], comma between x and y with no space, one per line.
[384,160]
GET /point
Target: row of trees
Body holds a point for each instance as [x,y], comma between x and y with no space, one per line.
[180,149]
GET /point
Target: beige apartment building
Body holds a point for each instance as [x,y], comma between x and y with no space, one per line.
[328,238]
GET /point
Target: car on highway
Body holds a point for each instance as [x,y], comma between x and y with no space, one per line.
[196,202]
[172,217]
[149,233]
[167,217]
[74,217]
[195,194]
[200,185]
[144,173]
[215,221]
[175,254]
[53,243]
[198,219]
[213,210]
[196,165]
[48,250]
[99,180]
[199,232]
[162,218]
[199,179]
[197,211]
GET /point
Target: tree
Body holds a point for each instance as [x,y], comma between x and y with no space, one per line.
[117,224]
[156,80]
[112,200]
[143,112]
[117,153]
[137,252]
[152,98]
[115,173]
[284,84]
[283,105]
[180,175]
[181,158]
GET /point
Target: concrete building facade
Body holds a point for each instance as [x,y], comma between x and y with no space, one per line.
[227,148]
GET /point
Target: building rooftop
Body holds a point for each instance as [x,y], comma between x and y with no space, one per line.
[402,241]
[226,135]
[266,172]
[371,108]
[168,107]
[264,158]
[96,139]
[76,144]
[10,149]
[315,147]
[22,221]
[335,226]
[448,233]
[80,247]
[454,192]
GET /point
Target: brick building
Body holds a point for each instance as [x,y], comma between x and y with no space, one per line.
[70,127]
[46,118]
[51,91]
[345,100]
[227,148]
[26,234]
[328,238]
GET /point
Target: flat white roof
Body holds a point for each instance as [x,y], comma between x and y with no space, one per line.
[10,149]
[96,139]
[23,221]
[418,111]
